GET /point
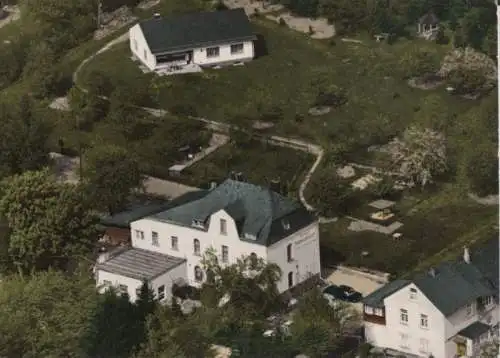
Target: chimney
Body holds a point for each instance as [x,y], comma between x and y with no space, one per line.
[156,15]
[103,257]
[232,175]
[213,185]
[276,186]
[239,176]
[432,272]
[466,255]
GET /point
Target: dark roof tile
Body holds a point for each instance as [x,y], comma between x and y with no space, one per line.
[182,32]
[258,211]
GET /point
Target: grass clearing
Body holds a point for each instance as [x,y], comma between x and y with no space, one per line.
[289,77]
[259,162]
[434,225]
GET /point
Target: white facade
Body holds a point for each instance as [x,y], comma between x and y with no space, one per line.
[218,54]
[179,241]
[161,285]
[414,325]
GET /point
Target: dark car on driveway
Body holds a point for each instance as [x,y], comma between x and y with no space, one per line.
[343,293]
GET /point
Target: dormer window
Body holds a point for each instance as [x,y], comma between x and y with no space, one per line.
[250,236]
[198,224]
[286,224]
[413,293]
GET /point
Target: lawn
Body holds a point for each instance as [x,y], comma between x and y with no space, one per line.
[289,77]
[433,224]
[259,162]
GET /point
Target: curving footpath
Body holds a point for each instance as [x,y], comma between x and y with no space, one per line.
[296,144]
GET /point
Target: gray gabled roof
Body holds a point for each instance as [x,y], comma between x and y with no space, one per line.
[376,298]
[201,29]
[257,211]
[454,284]
[139,211]
[429,19]
[474,330]
[139,264]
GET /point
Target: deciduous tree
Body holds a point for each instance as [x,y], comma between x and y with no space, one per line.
[45,314]
[23,138]
[250,284]
[49,221]
[481,163]
[112,329]
[420,155]
[318,327]
[111,173]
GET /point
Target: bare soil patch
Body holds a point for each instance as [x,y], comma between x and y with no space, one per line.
[10,13]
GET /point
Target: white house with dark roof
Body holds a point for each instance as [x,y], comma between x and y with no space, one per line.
[449,312]
[201,39]
[234,219]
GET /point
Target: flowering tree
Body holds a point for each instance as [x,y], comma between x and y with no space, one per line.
[420,155]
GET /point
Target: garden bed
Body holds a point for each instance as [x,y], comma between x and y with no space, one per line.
[259,163]
[431,223]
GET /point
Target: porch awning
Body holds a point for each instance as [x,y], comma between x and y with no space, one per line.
[475,330]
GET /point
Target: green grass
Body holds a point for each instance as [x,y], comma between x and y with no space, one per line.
[434,226]
[290,77]
[260,164]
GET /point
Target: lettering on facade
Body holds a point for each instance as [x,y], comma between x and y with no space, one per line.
[307,236]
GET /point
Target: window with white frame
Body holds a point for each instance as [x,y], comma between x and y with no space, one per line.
[369,310]
[225,253]
[468,309]
[213,52]
[122,289]
[379,312]
[135,44]
[424,345]
[196,247]
[154,238]
[145,55]
[486,301]
[236,49]
[223,226]
[161,292]
[413,293]
[139,234]
[403,316]
[424,321]
[174,243]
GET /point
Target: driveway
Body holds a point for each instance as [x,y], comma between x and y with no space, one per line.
[364,285]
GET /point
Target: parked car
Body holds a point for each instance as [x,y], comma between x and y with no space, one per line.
[343,293]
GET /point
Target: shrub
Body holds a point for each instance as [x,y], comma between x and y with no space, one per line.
[330,99]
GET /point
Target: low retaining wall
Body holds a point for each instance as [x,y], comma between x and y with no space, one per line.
[377,276]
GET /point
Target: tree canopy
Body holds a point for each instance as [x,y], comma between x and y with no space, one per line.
[111,173]
[49,221]
[45,314]
[23,138]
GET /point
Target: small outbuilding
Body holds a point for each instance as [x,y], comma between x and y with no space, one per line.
[428,25]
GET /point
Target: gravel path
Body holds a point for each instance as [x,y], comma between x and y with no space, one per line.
[297,144]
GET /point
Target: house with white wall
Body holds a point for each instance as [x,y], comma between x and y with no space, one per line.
[204,39]
[233,219]
[450,311]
